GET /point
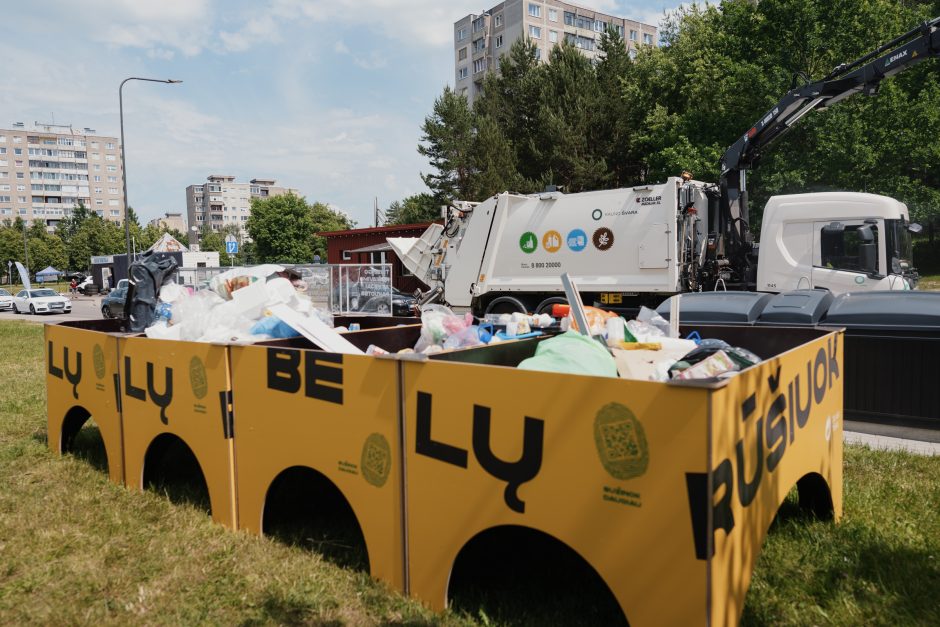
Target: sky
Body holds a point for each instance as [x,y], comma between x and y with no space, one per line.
[326,96]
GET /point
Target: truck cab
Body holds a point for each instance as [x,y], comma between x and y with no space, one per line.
[840,241]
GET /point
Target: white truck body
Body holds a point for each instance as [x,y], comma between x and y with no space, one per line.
[645,240]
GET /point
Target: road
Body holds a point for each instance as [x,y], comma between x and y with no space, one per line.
[83,308]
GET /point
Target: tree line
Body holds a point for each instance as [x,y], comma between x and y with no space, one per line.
[280,229]
[620,121]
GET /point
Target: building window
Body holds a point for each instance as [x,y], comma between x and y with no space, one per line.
[112,179]
[535,32]
[499,41]
[95,156]
[478,24]
[632,35]
[538,54]
[499,63]
[17,140]
[110,145]
[479,65]
[535,10]
[461,55]
[552,15]
[111,168]
[553,36]
[99,203]
[479,44]
[112,190]
[632,53]
[109,157]
[461,34]
[94,144]
[647,39]
[20,175]
[462,73]
[569,18]
[113,203]
[17,151]
[498,20]
[346,255]
[115,212]
[96,167]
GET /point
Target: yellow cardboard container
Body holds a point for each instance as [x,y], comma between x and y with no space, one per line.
[335,414]
[182,389]
[666,490]
[82,382]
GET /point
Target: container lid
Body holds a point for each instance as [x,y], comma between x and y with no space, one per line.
[799,307]
[718,307]
[885,310]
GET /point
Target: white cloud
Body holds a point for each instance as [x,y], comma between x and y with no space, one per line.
[373,60]
[418,23]
[256,30]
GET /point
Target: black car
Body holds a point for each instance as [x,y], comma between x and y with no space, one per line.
[113,304]
[402,304]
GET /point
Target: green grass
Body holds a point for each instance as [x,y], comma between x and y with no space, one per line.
[75,549]
[930,282]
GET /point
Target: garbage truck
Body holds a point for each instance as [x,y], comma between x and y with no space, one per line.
[630,247]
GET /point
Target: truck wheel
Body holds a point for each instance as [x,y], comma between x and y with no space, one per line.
[546,305]
[106,312]
[506,304]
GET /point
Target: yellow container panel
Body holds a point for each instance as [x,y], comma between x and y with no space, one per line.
[335,414]
[183,389]
[772,426]
[599,464]
[82,382]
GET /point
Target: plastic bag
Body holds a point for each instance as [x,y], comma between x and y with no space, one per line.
[437,324]
[465,338]
[650,317]
[572,353]
[596,319]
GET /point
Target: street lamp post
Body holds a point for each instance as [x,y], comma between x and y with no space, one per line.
[127,226]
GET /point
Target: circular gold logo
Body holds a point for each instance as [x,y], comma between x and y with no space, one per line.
[197,377]
[621,442]
[376,462]
[98,358]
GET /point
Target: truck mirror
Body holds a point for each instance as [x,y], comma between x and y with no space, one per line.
[834,228]
[865,235]
[914,228]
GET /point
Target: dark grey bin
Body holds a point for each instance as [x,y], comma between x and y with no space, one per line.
[796,308]
[718,307]
[892,356]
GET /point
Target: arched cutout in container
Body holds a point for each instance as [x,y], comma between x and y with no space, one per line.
[81,437]
[171,468]
[304,508]
[519,575]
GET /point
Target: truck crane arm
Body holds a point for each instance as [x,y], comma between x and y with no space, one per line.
[862,75]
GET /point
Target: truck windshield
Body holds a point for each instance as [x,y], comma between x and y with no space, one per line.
[900,248]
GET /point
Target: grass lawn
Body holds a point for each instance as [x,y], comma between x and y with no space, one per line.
[931,282]
[75,549]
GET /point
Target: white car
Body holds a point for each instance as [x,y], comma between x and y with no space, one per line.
[42,300]
[6,301]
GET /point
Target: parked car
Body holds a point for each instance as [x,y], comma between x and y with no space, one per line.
[6,300]
[402,304]
[113,304]
[42,300]
[84,284]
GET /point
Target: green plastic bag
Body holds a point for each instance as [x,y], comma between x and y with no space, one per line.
[572,353]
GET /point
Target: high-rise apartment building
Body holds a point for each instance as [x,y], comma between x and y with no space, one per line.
[47,170]
[480,40]
[172,221]
[221,201]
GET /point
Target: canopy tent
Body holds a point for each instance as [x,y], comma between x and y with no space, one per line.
[48,274]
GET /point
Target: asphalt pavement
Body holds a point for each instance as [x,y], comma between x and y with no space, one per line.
[83,308]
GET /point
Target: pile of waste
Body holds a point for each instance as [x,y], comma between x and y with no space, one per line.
[237,306]
[442,330]
[646,348]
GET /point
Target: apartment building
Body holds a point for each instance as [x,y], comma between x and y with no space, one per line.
[480,39]
[46,170]
[169,220]
[221,201]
